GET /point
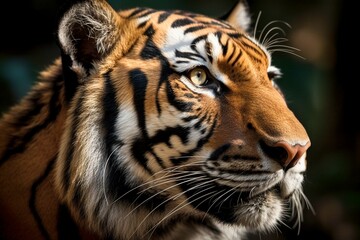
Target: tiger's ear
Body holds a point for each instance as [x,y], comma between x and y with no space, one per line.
[88,31]
[239,16]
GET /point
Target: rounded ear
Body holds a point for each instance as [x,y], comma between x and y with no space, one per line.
[239,16]
[88,32]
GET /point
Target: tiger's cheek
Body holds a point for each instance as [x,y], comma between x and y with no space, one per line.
[187,119]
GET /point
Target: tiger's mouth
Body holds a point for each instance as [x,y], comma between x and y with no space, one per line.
[248,206]
[278,185]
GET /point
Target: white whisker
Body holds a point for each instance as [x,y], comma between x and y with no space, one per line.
[104,174]
[284,47]
[271,30]
[256,24]
[267,25]
[269,43]
[158,193]
[182,204]
[167,171]
[307,202]
[287,51]
[153,210]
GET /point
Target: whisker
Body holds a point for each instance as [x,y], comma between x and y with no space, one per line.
[158,193]
[234,190]
[307,202]
[271,30]
[164,190]
[270,42]
[266,41]
[182,204]
[104,173]
[167,200]
[167,171]
[256,24]
[267,25]
[213,202]
[287,51]
[285,47]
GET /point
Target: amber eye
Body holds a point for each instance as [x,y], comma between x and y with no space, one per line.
[198,76]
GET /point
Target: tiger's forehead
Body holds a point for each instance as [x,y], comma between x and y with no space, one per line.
[188,40]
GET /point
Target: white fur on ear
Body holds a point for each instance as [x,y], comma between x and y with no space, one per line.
[239,16]
[88,31]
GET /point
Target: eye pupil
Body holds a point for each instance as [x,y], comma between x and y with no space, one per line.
[198,76]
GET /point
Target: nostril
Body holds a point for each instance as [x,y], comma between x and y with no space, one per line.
[276,153]
[284,153]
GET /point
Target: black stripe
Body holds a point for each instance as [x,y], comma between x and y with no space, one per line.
[237,58]
[225,47]
[199,123]
[183,106]
[166,71]
[111,112]
[33,195]
[190,118]
[66,227]
[188,55]
[182,62]
[227,158]
[196,40]
[236,35]
[247,172]
[219,151]
[181,22]
[141,25]
[185,156]
[252,48]
[18,143]
[231,55]
[137,11]
[163,17]
[150,11]
[150,50]
[139,82]
[194,29]
[164,135]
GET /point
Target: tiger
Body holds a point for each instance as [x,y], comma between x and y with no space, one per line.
[152,124]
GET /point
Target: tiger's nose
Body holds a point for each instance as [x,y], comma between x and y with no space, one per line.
[286,154]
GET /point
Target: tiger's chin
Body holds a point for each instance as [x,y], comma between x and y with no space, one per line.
[261,212]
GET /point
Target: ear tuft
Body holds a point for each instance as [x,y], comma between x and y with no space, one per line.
[88,31]
[239,16]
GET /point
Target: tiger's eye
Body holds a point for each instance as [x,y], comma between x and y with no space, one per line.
[198,76]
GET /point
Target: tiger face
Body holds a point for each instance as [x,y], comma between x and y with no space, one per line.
[173,118]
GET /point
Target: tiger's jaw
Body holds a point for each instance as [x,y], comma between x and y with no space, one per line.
[256,200]
[270,204]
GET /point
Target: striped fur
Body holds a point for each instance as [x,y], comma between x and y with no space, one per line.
[118,141]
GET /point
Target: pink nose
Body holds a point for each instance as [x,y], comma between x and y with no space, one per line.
[286,154]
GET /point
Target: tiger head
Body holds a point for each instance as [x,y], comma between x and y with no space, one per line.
[173,116]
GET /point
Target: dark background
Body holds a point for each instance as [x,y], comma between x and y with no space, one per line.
[321,90]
